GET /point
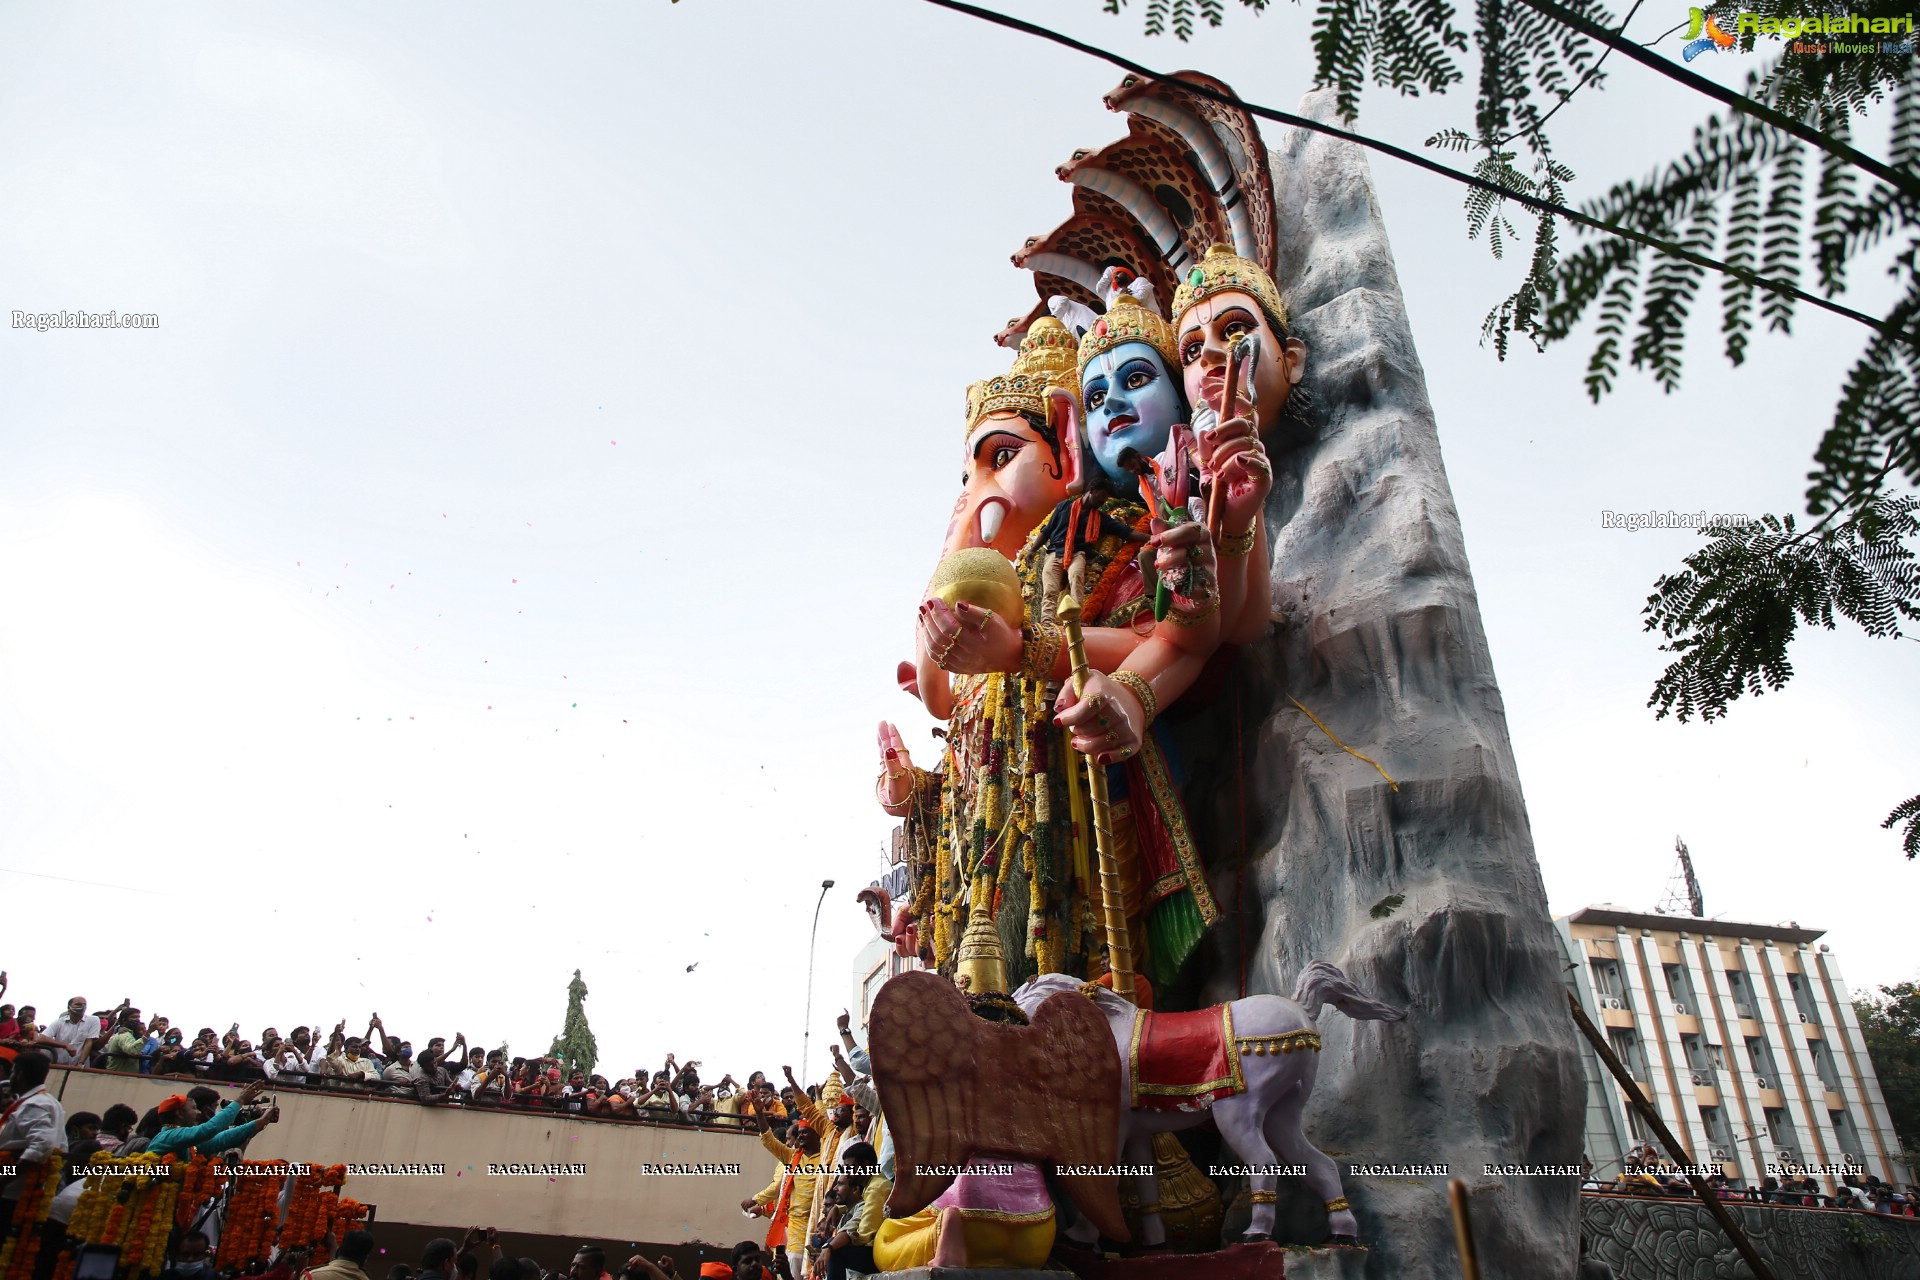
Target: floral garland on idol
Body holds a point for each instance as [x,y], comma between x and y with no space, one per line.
[38,1182]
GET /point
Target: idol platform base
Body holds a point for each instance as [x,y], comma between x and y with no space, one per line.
[1264,1261]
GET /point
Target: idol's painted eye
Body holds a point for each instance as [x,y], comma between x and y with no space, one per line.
[1096,398]
[1139,378]
[1004,454]
[1235,328]
[1191,350]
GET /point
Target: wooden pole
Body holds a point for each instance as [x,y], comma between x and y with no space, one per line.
[1113,904]
[1673,1145]
[1463,1230]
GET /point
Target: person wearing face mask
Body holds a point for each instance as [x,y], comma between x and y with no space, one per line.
[191,1260]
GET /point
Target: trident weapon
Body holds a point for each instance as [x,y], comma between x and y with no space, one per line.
[1112,902]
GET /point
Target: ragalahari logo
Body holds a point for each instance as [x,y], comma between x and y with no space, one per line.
[1703,34]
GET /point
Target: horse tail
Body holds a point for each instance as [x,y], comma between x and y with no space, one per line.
[1321,983]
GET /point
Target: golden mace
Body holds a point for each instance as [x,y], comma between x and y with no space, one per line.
[1112,900]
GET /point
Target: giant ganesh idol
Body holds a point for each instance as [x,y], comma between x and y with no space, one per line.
[1004,821]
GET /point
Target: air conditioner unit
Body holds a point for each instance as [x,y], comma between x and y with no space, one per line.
[1805,1018]
[1613,1002]
[1743,1010]
[1762,1082]
[1679,1008]
[1721,1154]
[1699,1078]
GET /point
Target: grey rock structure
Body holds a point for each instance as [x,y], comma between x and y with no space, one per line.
[1679,1240]
[1428,896]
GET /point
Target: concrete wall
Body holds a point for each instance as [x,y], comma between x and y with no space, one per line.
[613,1199]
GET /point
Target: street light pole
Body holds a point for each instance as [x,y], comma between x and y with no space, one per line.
[806,1037]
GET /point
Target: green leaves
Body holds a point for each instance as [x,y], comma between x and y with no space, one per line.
[1180,14]
[1730,613]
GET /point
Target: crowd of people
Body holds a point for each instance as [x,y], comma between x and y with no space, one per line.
[375,1061]
[825,1205]
[1645,1172]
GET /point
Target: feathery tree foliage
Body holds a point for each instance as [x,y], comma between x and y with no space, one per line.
[1890,1024]
[575,1045]
[1773,197]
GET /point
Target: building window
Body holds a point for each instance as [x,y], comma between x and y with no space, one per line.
[1761,1059]
[1715,1123]
[1848,1136]
[1742,994]
[1636,1127]
[1803,999]
[1717,1056]
[1680,987]
[1626,1047]
[870,987]
[1823,1064]
[1607,986]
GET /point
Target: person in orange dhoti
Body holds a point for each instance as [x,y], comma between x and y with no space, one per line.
[789,1198]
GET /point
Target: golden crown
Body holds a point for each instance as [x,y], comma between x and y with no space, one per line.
[1045,361]
[1222,271]
[1128,320]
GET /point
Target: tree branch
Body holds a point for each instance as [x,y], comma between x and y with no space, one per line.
[1669,247]
[1907,182]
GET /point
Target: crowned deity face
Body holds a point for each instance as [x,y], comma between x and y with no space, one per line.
[1132,402]
[1207,332]
[1014,477]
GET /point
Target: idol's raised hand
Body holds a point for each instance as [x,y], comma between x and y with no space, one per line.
[894,787]
[1231,454]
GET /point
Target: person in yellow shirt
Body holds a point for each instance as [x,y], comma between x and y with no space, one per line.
[789,1198]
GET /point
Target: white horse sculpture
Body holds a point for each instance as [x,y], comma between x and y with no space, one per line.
[1278,1050]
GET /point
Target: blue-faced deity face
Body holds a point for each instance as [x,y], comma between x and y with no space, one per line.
[1132,402]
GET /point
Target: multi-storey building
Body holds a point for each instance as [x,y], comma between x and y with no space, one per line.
[1743,1036]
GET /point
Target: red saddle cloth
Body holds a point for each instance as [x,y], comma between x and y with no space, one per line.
[1184,1061]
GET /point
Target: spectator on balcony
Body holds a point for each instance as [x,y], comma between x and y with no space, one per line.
[173,1058]
[9,1025]
[435,1085]
[241,1065]
[73,1034]
[126,1045]
[351,1062]
[180,1136]
[350,1262]
[399,1074]
[287,1063]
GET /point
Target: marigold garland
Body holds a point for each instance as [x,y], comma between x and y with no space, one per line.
[253,1215]
[22,1247]
[129,1204]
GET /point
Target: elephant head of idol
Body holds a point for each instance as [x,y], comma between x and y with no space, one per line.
[1021,456]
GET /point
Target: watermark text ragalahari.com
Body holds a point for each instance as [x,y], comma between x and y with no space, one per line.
[1634,521]
[45,320]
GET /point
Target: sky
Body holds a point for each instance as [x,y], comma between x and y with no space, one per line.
[495,562]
